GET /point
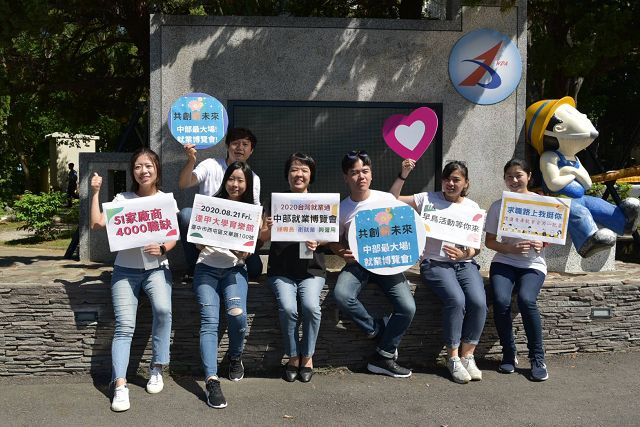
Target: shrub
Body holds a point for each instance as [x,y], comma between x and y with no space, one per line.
[37,211]
[597,190]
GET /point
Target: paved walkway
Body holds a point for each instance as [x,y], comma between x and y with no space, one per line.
[588,390]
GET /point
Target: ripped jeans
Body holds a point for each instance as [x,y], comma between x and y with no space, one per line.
[211,285]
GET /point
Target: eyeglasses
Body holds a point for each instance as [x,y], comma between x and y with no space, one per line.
[352,155]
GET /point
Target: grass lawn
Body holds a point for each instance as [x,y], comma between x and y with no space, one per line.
[60,243]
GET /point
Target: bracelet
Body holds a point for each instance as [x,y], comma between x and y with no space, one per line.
[400,176]
[163,250]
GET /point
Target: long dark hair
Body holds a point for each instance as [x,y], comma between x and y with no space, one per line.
[247,196]
[144,151]
[457,165]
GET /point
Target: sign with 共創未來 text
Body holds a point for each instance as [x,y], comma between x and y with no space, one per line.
[531,216]
[299,217]
[224,223]
[387,238]
[135,223]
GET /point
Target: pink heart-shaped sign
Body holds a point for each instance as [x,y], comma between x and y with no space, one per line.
[410,136]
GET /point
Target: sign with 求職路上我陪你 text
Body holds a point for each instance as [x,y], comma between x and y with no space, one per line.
[531,216]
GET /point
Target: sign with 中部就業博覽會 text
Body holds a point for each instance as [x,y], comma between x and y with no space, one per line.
[134,223]
[458,224]
[299,217]
[224,223]
[388,238]
[531,216]
[198,119]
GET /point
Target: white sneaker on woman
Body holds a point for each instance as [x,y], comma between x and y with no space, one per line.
[469,364]
[458,372]
[155,383]
[120,400]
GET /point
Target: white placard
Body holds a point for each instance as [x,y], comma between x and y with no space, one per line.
[531,216]
[458,224]
[224,223]
[298,217]
[134,223]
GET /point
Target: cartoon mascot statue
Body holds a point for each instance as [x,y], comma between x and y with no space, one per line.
[558,131]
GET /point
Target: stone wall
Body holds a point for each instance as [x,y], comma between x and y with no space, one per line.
[65,326]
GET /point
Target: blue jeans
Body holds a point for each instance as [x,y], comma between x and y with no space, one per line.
[253,261]
[527,283]
[348,286]
[461,289]
[586,211]
[286,291]
[126,284]
[212,285]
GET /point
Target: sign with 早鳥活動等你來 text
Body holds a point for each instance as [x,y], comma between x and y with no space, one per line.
[388,238]
[134,223]
[224,223]
[456,223]
[535,217]
[299,217]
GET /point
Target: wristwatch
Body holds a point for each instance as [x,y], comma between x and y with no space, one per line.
[163,250]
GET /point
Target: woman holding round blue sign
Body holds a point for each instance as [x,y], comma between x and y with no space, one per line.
[290,277]
[518,264]
[134,270]
[221,275]
[450,271]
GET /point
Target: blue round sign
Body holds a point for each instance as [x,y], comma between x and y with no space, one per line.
[485,66]
[199,119]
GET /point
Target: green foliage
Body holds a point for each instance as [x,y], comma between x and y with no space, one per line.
[588,49]
[597,190]
[37,211]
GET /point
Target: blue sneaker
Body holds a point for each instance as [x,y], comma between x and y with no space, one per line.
[538,369]
[508,365]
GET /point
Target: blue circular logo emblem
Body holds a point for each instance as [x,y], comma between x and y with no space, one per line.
[198,119]
[485,66]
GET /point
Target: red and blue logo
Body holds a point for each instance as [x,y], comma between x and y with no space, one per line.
[485,67]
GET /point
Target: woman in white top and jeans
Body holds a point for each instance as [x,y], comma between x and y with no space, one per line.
[221,275]
[519,265]
[138,269]
[450,271]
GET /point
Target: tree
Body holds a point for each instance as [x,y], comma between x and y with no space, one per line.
[589,49]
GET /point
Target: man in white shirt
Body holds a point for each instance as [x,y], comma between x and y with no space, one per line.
[356,167]
[208,176]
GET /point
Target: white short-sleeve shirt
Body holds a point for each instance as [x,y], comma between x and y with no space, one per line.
[209,174]
[349,208]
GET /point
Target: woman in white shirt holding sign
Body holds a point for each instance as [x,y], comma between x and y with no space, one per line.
[450,271]
[137,269]
[518,264]
[221,275]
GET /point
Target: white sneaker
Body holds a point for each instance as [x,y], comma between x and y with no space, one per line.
[469,364]
[458,372]
[120,400]
[155,383]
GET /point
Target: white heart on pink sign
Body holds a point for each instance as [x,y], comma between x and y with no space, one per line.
[410,136]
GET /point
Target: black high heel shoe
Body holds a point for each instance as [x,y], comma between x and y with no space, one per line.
[290,373]
[305,374]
